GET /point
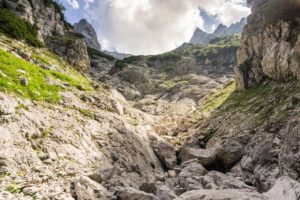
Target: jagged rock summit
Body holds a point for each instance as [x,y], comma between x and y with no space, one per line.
[90,36]
[236,28]
[202,37]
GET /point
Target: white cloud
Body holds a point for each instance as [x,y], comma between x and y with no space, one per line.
[155,26]
[87,3]
[73,3]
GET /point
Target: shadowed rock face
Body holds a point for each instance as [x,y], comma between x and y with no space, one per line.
[90,35]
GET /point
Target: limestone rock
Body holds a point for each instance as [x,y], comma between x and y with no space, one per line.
[7,106]
[191,171]
[87,189]
[205,157]
[133,194]
[284,188]
[228,194]
[165,193]
[165,152]
[265,54]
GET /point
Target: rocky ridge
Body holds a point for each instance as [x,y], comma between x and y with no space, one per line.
[202,37]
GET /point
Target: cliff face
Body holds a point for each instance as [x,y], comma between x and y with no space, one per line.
[46,15]
[268,49]
[90,35]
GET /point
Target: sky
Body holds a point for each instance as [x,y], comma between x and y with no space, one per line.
[152,26]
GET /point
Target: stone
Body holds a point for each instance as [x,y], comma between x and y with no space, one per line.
[165,193]
[7,106]
[165,152]
[230,149]
[133,194]
[149,187]
[284,188]
[30,191]
[23,81]
[25,55]
[205,157]
[192,170]
[86,189]
[172,173]
[228,194]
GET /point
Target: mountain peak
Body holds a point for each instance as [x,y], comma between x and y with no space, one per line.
[201,37]
[86,29]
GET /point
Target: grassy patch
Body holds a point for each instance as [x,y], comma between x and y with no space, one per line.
[14,188]
[219,98]
[38,88]
[267,101]
[16,27]
[22,106]
[47,132]
[87,113]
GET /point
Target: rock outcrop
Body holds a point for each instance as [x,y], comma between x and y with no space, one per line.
[269,49]
[72,49]
[90,35]
[46,15]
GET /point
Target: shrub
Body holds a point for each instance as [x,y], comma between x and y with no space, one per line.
[16,27]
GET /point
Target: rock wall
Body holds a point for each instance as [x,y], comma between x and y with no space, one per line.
[269,50]
[41,13]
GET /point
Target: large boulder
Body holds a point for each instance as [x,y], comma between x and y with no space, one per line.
[164,151]
[228,194]
[205,157]
[189,176]
[284,188]
[87,189]
[133,194]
